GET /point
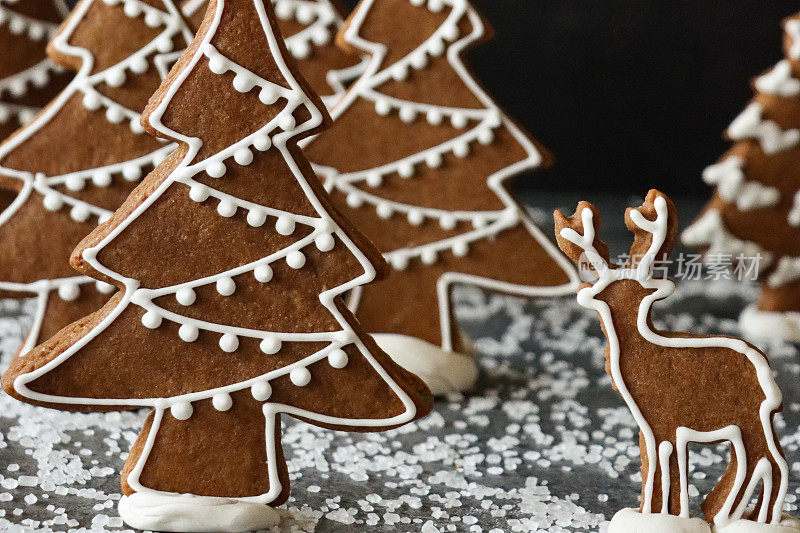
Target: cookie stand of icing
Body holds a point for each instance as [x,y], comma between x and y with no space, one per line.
[78,160]
[231,266]
[309,29]
[672,385]
[28,79]
[419,160]
[755,209]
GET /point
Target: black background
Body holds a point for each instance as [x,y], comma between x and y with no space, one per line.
[627,94]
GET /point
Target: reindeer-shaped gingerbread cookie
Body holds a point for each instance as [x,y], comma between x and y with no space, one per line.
[681,388]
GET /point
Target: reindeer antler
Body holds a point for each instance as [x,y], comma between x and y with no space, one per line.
[655,227]
[576,236]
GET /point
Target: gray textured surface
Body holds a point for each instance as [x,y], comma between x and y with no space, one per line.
[543,443]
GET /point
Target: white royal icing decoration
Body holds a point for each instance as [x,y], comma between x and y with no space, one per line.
[792,28]
[779,80]
[55,190]
[732,185]
[475,125]
[750,124]
[180,407]
[710,231]
[661,289]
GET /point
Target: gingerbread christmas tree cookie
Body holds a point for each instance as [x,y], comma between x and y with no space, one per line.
[28,79]
[755,210]
[309,29]
[78,160]
[419,159]
[681,388]
[230,264]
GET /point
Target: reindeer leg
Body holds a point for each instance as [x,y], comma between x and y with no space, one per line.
[727,493]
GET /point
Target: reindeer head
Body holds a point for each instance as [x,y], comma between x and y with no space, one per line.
[654,225]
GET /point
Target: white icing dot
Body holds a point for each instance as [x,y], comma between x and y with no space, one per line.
[460,248]
[152,19]
[263,273]
[79,212]
[136,126]
[382,107]
[139,65]
[151,319]
[320,36]
[218,64]
[115,77]
[435,5]
[428,256]
[408,114]
[226,208]
[434,117]
[188,333]
[384,210]
[450,32]
[182,410]
[374,179]
[226,286]
[354,200]
[270,345]
[229,342]
[198,192]
[300,49]
[461,149]
[300,376]
[261,390]
[243,82]
[216,169]
[338,358]
[296,259]
[399,72]
[75,183]
[399,262]
[436,47]
[92,101]
[243,156]
[325,242]
[52,201]
[286,122]
[103,287]
[486,136]
[417,2]
[304,14]
[262,142]
[285,225]
[458,120]
[131,172]
[284,9]
[115,114]
[132,9]
[447,221]
[256,217]
[268,95]
[406,169]
[164,44]
[102,178]
[434,160]
[222,401]
[69,292]
[418,59]
[185,296]
[415,217]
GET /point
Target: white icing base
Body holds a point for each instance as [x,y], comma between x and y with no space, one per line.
[441,370]
[768,325]
[786,525]
[632,521]
[187,512]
